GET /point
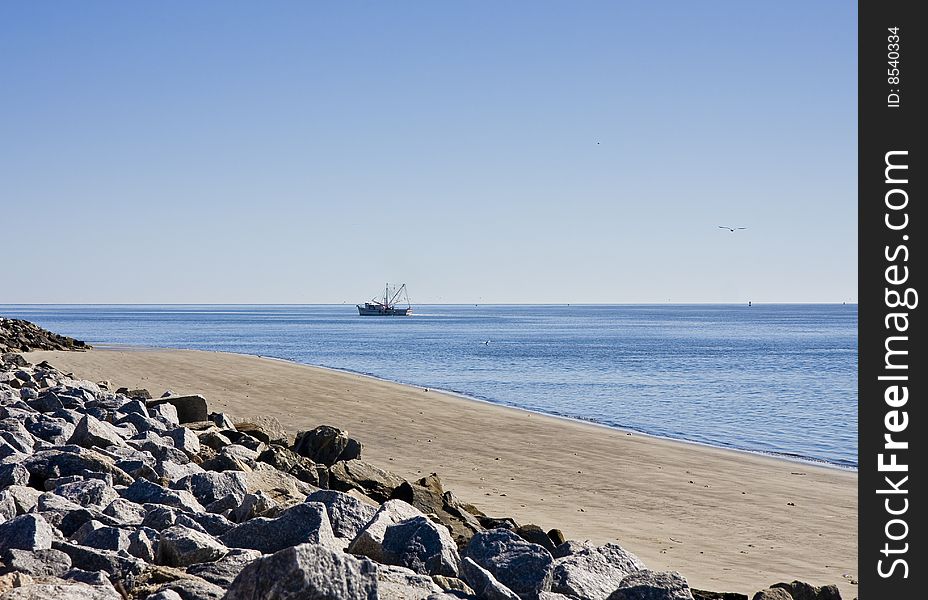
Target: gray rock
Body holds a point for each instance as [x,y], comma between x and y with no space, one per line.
[164,595]
[252,505]
[309,572]
[143,544]
[288,461]
[400,583]
[96,578]
[185,440]
[221,420]
[223,571]
[26,532]
[190,409]
[485,586]
[13,474]
[571,547]
[214,440]
[421,545]
[65,591]
[89,493]
[193,588]
[652,585]
[453,584]
[72,460]
[50,429]
[181,546]
[164,413]
[210,486]
[37,563]
[125,511]
[143,491]
[118,565]
[92,432]
[304,523]
[521,566]
[7,506]
[347,514]
[84,530]
[107,538]
[369,541]
[594,573]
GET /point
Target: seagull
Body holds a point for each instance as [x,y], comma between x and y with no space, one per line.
[731,229]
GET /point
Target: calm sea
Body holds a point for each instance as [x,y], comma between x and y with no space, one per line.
[778,379]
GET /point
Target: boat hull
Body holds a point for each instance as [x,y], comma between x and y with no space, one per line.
[380,311]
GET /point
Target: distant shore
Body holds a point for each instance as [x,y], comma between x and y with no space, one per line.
[727,519]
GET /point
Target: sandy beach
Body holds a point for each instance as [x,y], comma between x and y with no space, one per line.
[729,521]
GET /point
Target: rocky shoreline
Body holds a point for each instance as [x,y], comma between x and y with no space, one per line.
[117,494]
[17,335]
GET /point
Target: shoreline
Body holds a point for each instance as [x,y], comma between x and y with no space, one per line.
[728,520]
[797,459]
[803,460]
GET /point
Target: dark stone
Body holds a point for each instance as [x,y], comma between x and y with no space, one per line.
[327,445]
[800,590]
[37,563]
[190,409]
[521,566]
[421,545]
[358,475]
[536,535]
[652,585]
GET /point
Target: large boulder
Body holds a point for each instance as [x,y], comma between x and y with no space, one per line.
[485,586]
[189,409]
[143,491]
[181,546]
[347,514]
[306,522]
[90,493]
[369,541]
[288,461]
[70,460]
[26,532]
[327,445]
[358,475]
[521,566]
[652,585]
[308,571]
[72,590]
[427,495]
[400,583]
[421,545]
[210,486]
[594,573]
[91,432]
[37,563]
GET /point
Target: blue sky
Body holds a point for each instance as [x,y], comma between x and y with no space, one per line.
[481,152]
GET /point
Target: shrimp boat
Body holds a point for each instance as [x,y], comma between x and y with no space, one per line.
[387,306]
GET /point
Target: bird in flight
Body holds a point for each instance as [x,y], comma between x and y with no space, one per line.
[731,229]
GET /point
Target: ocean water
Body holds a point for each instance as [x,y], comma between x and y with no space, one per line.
[779,379]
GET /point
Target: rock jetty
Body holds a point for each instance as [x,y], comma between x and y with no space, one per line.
[115,495]
[17,335]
